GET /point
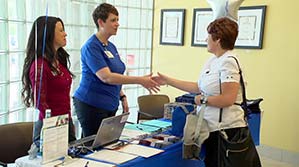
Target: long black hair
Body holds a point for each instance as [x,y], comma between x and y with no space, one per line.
[50,54]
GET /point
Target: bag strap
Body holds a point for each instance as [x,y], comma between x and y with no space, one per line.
[243,104]
[199,120]
[199,115]
[183,107]
[221,109]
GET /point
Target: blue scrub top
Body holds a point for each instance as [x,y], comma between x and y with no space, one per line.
[95,56]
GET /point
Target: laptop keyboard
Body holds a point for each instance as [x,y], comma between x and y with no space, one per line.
[83,141]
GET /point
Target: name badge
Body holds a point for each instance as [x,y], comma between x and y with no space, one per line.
[109,54]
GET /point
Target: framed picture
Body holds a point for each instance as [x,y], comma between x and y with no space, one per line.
[172,26]
[251,20]
[251,27]
[201,19]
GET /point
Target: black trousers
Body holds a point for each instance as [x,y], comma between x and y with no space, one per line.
[90,117]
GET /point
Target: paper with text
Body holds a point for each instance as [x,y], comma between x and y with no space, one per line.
[131,133]
[112,156]
[55,138]
[85,162]
[140,150]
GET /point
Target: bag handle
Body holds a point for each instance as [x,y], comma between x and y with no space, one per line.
[179,104]
[182,106]
[243,104]
[221,109]
[185,109]
[200,119]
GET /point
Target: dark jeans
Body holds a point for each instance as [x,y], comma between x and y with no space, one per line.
[38,126]
[90,117]
[211,144]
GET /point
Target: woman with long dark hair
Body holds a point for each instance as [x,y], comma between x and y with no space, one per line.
[46,76]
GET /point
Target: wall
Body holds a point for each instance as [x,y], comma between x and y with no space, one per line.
[271,72]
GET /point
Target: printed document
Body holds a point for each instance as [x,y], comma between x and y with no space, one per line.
[140,150]
[112,156]
[55,138]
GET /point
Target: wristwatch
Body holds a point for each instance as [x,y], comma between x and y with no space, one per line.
[203,99]
[121,98]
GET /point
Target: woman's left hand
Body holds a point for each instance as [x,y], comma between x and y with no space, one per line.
[197,100]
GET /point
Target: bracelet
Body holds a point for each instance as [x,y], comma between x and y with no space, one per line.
[121,98]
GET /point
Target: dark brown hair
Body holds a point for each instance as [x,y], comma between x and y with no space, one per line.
[102,12]
[224,29]
[50,54]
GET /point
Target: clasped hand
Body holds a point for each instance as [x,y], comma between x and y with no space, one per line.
[150,84]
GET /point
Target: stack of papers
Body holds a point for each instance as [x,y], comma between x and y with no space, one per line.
[128,134]
[123,154]
[84,162]
[140,150]
[111,156]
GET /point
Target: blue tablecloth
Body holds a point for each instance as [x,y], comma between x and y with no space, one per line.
[254,122]
[171,157]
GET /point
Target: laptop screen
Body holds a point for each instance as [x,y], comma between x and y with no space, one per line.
[110,130]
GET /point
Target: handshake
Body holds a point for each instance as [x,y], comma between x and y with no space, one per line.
[153,83]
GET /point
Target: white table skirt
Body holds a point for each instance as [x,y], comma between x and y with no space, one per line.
[37,162]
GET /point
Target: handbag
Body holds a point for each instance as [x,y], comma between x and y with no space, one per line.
[253,105]
[186,98]
[179,114]
[195,133]
[237,149]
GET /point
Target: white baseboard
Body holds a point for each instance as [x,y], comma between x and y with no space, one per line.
[279,154]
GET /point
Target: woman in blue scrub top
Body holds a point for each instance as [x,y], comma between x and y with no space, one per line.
[100,89]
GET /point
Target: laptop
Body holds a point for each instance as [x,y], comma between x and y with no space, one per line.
[109,132]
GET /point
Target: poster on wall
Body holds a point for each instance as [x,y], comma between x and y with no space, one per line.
[251,20]
[172,27]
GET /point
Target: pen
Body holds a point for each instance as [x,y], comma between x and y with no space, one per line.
[139,128]
[86,165]
[130,122]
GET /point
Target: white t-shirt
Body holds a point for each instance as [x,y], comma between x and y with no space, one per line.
[226,68]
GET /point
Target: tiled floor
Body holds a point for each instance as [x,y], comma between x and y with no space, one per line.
[267,162]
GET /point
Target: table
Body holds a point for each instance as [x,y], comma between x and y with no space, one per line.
[172,157]
[37,162]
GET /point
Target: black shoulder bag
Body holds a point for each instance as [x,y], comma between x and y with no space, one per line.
[236,148]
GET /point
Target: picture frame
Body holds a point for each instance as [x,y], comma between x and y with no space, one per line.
[251,27]
[251,21]
[201,19]
[172,27]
